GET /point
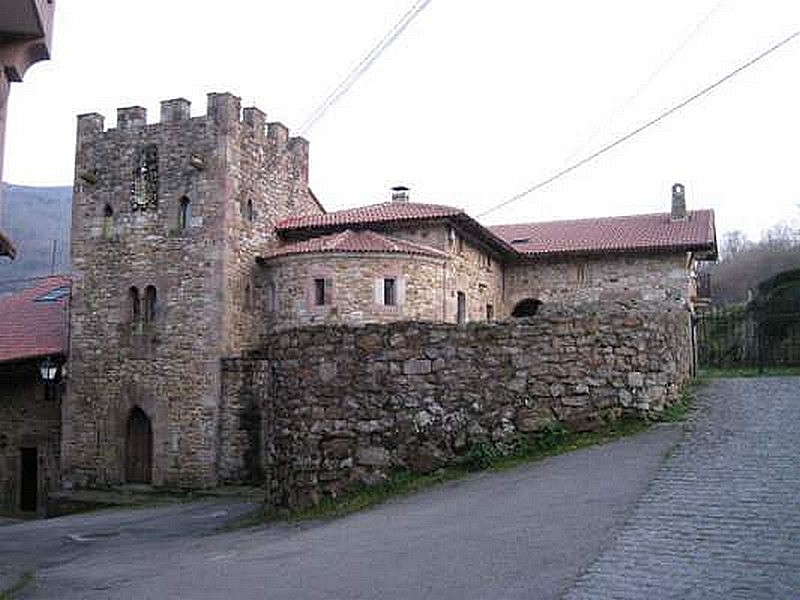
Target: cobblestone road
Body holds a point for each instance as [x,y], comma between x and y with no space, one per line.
[722,517]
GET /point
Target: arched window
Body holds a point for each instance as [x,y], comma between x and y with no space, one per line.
[135,304]
[144,187]
[526,307]
[149,304]
[184,213]
[108,221]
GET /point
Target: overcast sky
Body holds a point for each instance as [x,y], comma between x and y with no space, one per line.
[475,102]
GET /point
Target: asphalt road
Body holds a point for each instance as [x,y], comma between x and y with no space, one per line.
[525,533]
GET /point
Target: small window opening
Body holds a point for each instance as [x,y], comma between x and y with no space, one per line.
[320,292]
[184,214]
[490,312]
[248,297]
[271,300]
[108,221]
[144,187]
[390,292]
[249,211]
[461,308]
[150,304]
[135,304]
[580,272]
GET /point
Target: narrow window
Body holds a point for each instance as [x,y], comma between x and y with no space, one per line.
[135,304]
[248,297]
[580,272]
[490,312]
[144,187]
[271,304]
[150,304]
[390,292]
[108,221]
[461,308]
[320,292]
[249,212]
[184,214]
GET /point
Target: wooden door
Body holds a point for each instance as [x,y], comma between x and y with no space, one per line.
[29,479]
[139,448]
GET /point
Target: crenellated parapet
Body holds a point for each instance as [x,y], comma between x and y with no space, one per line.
[225,112]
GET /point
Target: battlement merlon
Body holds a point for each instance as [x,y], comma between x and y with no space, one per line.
[177,109]
[298,148]
[131,117]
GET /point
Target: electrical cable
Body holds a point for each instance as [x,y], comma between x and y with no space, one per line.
[363,65]
[562,172]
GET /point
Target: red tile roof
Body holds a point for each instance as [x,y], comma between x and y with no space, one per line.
[637,233]
[364,241]
[34,321]
[374,213]
[6,247]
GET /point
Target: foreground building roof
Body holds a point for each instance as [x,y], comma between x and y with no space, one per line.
[34,321]
[349,241]
[387,215]
[637,233]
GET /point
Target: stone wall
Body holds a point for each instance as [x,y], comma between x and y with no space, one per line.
[652,278]
[245,412]
[352,403]
[27,420]
[238,176]
[352,277]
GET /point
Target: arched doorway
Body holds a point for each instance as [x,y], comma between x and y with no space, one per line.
[526,307]
[138,448]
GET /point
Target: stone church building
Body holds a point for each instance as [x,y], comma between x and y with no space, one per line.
[196,240]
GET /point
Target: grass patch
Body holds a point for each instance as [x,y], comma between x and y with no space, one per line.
[483,456]
[721,373]
[678,411]
[24,581]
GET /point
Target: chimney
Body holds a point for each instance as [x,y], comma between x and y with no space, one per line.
[400,193]
[678,202]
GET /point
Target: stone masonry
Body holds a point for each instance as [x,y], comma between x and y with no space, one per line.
[348,405]
[167,221]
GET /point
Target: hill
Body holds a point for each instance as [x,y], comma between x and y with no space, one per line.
[37,219]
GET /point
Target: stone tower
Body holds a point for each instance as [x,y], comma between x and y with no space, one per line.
[167,220]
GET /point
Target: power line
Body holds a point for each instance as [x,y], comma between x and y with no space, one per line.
[620,108]
[363,65]
[647,125]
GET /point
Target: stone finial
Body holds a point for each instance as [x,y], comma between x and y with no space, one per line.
[177,109]
[678,202]
[131,116]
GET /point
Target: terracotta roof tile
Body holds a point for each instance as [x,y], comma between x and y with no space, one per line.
[34,321]
[638,233]
[374,213]
[350,241]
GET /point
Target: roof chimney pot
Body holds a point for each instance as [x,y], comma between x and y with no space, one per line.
[400,193]
[678,202]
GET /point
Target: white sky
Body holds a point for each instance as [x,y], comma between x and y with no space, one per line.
[475,102]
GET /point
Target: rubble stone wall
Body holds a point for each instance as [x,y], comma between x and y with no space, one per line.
[652,278]
[352,283]
[350,404]
[27,420]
